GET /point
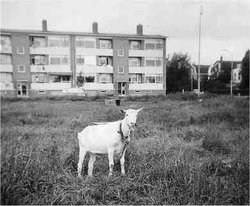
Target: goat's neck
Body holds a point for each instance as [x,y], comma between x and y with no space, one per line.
[125,128]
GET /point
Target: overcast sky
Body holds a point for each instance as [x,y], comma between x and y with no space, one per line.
[225,23]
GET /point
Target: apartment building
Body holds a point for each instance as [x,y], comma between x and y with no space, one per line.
[38,63]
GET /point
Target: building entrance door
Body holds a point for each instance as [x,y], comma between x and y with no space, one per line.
[22,89]
[122,88]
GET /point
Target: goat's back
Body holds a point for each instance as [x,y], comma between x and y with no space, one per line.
[98,138]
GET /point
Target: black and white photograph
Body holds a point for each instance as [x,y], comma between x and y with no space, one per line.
[124,102]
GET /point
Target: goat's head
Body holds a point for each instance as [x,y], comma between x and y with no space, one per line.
[131,117]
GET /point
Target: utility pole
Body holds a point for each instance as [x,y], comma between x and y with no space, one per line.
[199,54]
[231,78]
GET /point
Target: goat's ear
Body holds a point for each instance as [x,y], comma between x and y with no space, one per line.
[138,110]
[123,111]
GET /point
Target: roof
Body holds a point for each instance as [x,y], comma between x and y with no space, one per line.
[203,68]
[38,32]
[227,64]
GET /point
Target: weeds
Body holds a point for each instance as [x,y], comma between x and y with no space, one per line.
[183,152]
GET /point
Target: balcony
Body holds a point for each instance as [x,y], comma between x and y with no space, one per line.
[146,70]
[51,68]
[5,85]
[6,68]
[94,52]
[98,86]
[145,53]
[6,49]
[50,86]
[146,86]
[94,69]
[50,50]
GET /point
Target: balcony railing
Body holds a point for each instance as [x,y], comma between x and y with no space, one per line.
[50,50]
[6,68]
[146,70]
[98,86]
[94,69]
[98,52]
[6,49]
[51,68]
[146,86]
[50,86]
[145,53]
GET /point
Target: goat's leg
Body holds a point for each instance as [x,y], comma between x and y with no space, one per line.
[91,164]
[111,161]
[122,160]
[82,153]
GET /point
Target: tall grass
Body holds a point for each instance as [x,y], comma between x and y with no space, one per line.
[183,152]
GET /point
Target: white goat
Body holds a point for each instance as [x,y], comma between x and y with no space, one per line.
[108,138]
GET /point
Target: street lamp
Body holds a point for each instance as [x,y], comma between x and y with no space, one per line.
[231,80]
[199,53]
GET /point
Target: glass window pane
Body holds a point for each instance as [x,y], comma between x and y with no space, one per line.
[150,63]
[55,60]
[150,46]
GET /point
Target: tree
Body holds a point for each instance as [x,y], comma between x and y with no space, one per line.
[245,71]
[178,72]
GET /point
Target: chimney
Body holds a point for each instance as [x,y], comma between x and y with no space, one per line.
[139,29]
[95,28]
[44,25]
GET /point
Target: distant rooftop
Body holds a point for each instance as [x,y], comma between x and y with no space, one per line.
[203,68]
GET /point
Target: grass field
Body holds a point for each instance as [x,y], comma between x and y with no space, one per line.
[184,151]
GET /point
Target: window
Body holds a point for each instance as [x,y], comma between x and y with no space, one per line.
[120,52]
[38,60]
[150,63]
[136,78]
[37,41]
[59,78]
[153,62]
[137,91]
[134,45]
[85,42]
[105,78]
[20,50]
[38,78]
[148,91]
[121,70]
[150,79]
[79,59]
[104,61]
[158,79]
[157,45]
[5,59]
[6,77]
[90,60]
[134,62]
[5,43]
[41,91]
[89,79]
[58,41]
[21,68]
[150,46]
[105,44]
[158,62]
[154,79]
[59,60]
